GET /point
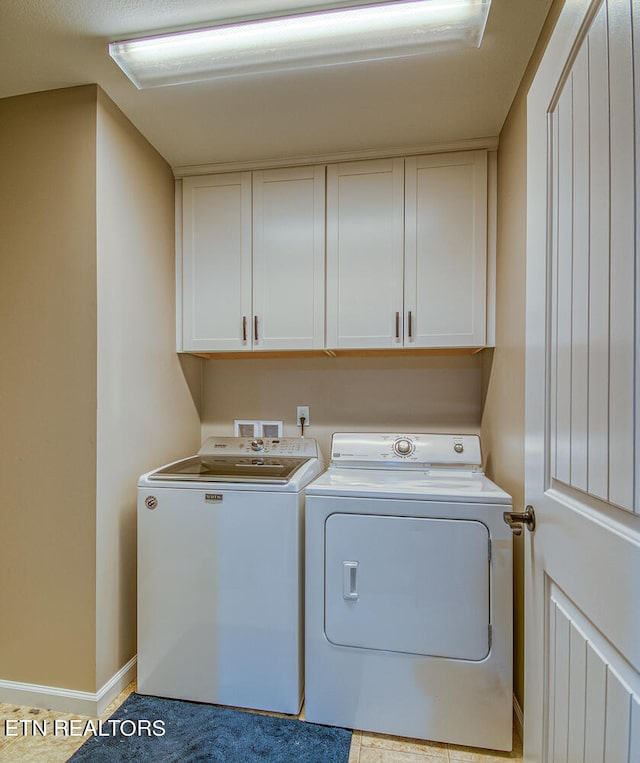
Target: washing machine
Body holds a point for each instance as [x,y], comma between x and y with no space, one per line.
[409,591]
[220,574]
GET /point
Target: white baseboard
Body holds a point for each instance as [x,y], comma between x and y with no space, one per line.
[93,704]
[67,700]
[518,714]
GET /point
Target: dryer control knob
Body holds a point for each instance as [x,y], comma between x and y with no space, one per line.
[458,447]
[257,444]
[403,447]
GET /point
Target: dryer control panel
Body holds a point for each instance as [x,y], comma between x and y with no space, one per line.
[409,451]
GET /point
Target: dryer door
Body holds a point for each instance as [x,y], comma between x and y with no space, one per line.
[408,584]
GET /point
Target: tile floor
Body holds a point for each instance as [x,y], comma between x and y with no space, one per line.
[30,748]
[365,747]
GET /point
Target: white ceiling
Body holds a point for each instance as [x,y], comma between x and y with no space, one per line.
[424,100]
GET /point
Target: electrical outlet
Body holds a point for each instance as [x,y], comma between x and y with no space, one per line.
[302,410]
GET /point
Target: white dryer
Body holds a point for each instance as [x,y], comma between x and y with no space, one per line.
[409,591]
[220,574]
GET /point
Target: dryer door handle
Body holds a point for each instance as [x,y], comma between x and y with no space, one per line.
[350,581]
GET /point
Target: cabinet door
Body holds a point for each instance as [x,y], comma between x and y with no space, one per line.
[365,210]
[446,249]
[288,259]
[216,276]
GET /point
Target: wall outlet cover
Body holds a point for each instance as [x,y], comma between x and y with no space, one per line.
[257,428]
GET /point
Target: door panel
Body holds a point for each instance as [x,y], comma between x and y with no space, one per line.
[622,265]
[365,241]
[582,672]
[216,279]
[408,584]
[288,258]
[592,691]
[593,271]
[598,357]
[446,249]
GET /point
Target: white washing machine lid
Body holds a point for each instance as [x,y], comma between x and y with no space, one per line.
[240,463]
[199,468]
[427,485]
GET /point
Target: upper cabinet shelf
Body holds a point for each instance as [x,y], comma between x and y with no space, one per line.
[405,257]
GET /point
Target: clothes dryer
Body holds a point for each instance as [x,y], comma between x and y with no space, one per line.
[408,591]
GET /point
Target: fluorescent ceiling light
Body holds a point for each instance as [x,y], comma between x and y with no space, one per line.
[327,38]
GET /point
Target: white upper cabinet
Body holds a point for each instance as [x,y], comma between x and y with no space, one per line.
[216,262]
[445,282]
[253,269]
[407,252]
[405,259]
[365,232]
[288,259]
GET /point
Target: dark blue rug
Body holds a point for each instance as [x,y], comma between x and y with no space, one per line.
[171,731]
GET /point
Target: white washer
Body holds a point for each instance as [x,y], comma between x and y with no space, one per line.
[220,574]
[408,591]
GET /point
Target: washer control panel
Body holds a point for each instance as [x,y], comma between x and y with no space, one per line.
[418,451]
[274,446]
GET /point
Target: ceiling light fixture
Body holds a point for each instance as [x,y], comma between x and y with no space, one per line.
[326,38]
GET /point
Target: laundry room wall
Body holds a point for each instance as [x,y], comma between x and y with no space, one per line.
[147,410]
[91,391]
[48,388]
[401,394]
[503,418]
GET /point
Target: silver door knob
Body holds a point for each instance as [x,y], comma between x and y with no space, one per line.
[515,520]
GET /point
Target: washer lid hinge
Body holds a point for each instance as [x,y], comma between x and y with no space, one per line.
[490,635]
[489,549]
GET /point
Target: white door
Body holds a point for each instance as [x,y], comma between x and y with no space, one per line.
[582,672]
[216,275]
[446,249]
[288,258]
[365,234]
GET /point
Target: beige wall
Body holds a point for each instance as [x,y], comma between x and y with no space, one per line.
[91,391]
[48,388]
[432,394]
[504,368]
[146,414]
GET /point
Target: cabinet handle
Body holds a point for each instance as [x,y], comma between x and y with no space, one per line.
[410,325]
[255,327]
[397,325]
[244,328]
